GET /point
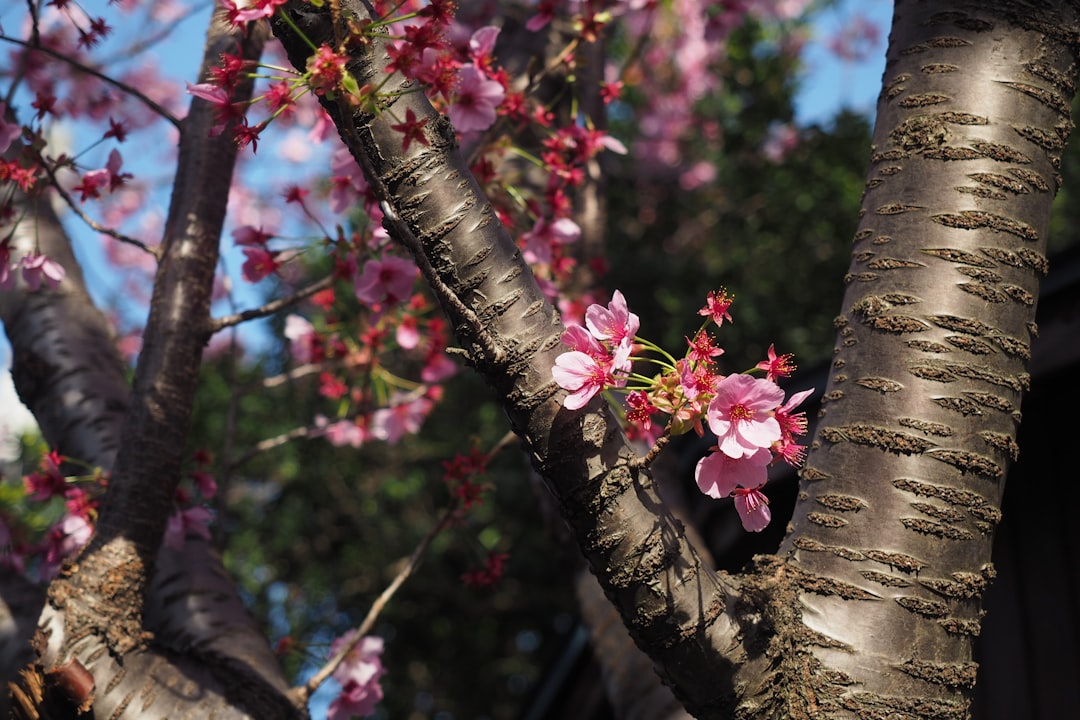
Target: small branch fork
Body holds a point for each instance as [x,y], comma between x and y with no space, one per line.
[302,693]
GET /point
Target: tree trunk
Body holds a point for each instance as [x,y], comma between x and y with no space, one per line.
[890,541]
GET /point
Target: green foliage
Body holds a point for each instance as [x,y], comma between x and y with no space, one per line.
[316,532]
[775,234]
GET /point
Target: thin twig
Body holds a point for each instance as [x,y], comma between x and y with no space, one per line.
[644,462]
[218,324]
[271,443]
[296,373]
[123,87]
[90,222]
[300,694]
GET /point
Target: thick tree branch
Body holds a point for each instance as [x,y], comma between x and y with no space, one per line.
[95,609]
[675,606]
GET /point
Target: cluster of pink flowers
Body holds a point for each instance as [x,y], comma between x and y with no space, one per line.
[753,425]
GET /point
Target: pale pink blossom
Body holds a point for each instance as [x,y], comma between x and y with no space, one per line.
[437,368]
[578,338]
[38,269]
[301,336]
[482,43]
[615,322]
[475,101]
[583,375]
[359,677]
[389,280]
[64,540]
[250,10]
[340,433]
[538,242]
[718,475]
[741,414]
[404,418]
[753,509]
[408,332]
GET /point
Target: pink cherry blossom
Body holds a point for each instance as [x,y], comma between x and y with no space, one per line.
[578,338]
[65,539]
[389,281]
[615,322]
[777,366]
[260,262]
[753,509]
[301,335]
[583,375]
[353,433]
[359,677]
[538,242]
[38,269]
[248,236]
[475,101]
[482,43]
[400,419]
[718,475]
[437,367]
[716,307]
[741,414]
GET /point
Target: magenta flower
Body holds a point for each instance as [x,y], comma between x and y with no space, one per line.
[716,307]
[777,366]
[741,414]
[389,280]
[260,262]
[475,101]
